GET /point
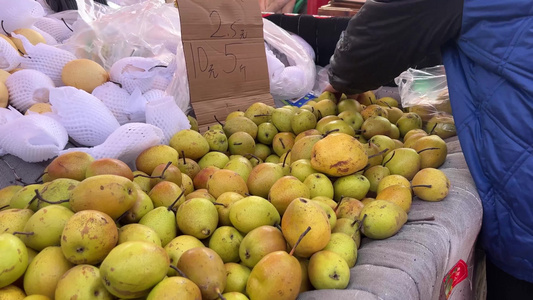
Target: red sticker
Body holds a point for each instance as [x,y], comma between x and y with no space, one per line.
[458,273]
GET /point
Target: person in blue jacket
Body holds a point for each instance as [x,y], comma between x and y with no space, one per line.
[487,51]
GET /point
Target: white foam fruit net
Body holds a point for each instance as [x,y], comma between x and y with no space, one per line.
[165,114]
[48,38]
[9,56]
[45,58]
[54,27]
[20,13]
[125,107]
[87,120]
[135,72]
[8,114]
[33,138]
[27,87]
[126,143]
[154,94]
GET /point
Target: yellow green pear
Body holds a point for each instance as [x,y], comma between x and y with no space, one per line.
[55,191]
[142,206]
[350,228]
[82,282]
[300,214]
[14,219]
[225,241]
[332,217]
[165,193]
[44,272]
[237,124]
[237,276]
[131,269]
[163,221]
[259,242]
[33,36]
[88,236]
[225,201]
[175,288]
[392,180]
[191,142]
[262,177]
[204,267]
[177,246]
[234,296]
[349,208]
[402,161]
[226,181]
[432,150]
[153,156]
[252,212]
[303,147]
[328,270]
[431,184]
[197,217]
[11,292]
[343,245]
[278,275]
[398,194]
[14,259]
[137,232]
[111,194]
[319,185]
[6,194]
[25,196]
[286,189]
[382,219]
[71,165]
[338,154]
[166,172]
[47,226]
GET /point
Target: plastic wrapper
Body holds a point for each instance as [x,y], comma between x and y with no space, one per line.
[33,138]
[125,143]
[290,66]
[19,14]
[9,56]
[148,30]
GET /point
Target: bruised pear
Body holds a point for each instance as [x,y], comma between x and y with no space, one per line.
[108,166]
[46,225]
[226,240]
[82,282]
[217,140]
[6,194]
[338,154]
[328,270]
[14,219]
[111,194]
[285,190]
[408,122]
[88,236]
[382,219]
[266,132]
[300,214]
[131,269]
[14,259]
[240,124]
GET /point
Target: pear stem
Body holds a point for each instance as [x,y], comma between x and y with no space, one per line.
[65,22]
[422,185]
[7,33]
[221,204]
[40,198]
[158,66]
[282,143]
[432,129]
[23,233]
[330,131]
[117,83]
[262,115]
[5,206]
[173,267]
[354,222]
[364,168]
[381,101]
[338,203]
[220,294]
[237,144]
[175,201]
[319,114]
[39,179]
[183,155]
[253,156]
[285,158]
[278,227]
[361,223]
[431,148]
[299,240]
[432,218]
[393,153]
[17,177]
[379,153]
[156,177]
[218,121]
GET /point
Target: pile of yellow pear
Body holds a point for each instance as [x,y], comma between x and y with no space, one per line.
[267,205]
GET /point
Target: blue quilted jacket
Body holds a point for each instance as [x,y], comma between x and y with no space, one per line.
[487,50]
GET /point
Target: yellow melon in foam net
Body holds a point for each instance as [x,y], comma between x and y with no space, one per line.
[39,108]
[84,74]
[3,76]
[4,95]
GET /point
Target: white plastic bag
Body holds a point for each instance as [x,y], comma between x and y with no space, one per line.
[292,75]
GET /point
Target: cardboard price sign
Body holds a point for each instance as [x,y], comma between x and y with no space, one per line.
[225,56]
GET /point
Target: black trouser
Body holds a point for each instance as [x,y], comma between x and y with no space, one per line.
[502,286]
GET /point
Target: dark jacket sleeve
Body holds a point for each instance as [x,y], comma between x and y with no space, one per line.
[386,37]
[61,5]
